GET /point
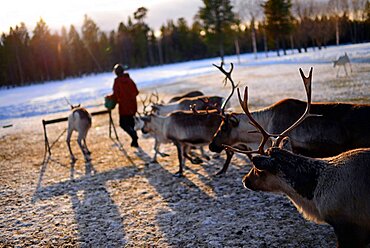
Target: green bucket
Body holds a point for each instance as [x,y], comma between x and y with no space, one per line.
[109,103]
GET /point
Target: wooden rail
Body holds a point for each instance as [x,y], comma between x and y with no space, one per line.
[52,121]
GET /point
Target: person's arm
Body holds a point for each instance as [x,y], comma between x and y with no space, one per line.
[115,94]
[136,91]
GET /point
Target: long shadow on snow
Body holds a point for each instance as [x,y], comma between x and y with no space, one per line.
[95,212]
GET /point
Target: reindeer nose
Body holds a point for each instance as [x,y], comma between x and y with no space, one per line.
[247,183]
[214,148]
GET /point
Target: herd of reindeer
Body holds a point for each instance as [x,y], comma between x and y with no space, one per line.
[318,154]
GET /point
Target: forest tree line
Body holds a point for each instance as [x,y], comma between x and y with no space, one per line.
[219,28]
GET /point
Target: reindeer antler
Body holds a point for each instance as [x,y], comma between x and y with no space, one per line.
[307,81]
[156,96]
[227,76]
[144,105]
[265,134]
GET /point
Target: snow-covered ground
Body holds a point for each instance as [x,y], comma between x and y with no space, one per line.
[49,98]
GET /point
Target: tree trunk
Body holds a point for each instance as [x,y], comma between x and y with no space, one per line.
[237,49]
[254,42]
[337,31]
[292,43]
[277,46]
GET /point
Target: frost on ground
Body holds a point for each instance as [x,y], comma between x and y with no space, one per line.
[119,200]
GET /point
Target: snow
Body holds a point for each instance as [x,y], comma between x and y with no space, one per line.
[50,97]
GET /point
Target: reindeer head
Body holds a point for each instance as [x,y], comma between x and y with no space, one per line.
[268,171]
[225,134]
[282,171]
[146,124]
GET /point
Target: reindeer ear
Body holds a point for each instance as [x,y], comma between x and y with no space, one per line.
[263,162]
[286,144]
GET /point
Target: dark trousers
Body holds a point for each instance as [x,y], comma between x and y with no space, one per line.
[127,123]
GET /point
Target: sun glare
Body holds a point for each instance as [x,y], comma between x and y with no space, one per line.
[54,13]
[107,13]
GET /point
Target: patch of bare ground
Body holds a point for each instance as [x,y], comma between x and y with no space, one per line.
[118,199]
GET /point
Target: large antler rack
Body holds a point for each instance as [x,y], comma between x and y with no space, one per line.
[227,76]
[307,81]
[265,134]
[244,104]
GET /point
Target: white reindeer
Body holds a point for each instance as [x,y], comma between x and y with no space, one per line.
[79,120]
[342,61]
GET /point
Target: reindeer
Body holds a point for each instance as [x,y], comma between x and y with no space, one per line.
[335,190]
[183,128]
[186,95]
[79,120]
[340,127]
[342,61]
[200,102]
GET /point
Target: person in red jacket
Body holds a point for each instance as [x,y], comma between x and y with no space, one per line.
[124,93]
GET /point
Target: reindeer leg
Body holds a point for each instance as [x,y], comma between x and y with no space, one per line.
[204,154]
[87,149]
[180,149]
[195,160]
[79,141]
[156,151]
[69,134]
[345,69]
[229,156]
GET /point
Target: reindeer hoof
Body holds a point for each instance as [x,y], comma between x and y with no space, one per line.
[154,161]
[73,159]
[207,157]
[220,172]
[216,156]
[164,155]
[196,161]
[178,174]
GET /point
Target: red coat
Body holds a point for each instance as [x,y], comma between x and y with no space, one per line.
[125,92]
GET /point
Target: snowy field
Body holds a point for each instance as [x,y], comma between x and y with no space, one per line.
[119,199]
[49,98]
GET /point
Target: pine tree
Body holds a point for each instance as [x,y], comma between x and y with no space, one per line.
[279,21]
[217,17]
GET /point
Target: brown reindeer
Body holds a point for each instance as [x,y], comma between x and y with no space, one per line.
[79,120]
[335,190]
[186,95]
[201,103]
[185,129]
[339,127]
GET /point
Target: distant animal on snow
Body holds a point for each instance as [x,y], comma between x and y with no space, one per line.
[342,61]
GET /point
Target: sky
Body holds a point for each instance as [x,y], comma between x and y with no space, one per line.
[106,13]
